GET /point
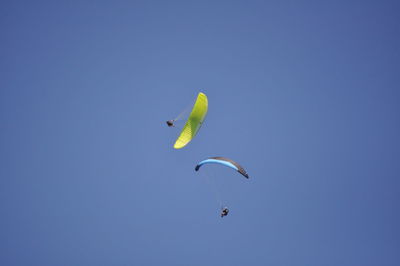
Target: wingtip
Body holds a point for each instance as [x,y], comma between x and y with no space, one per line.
[179,145]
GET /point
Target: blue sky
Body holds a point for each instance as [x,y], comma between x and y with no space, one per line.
[303,94]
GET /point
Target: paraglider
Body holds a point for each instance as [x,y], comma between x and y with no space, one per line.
[193,123]
[224,162]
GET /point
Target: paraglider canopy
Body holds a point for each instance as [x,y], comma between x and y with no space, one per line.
[223,161]
[194,121]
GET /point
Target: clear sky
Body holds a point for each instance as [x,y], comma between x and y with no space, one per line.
[304,94]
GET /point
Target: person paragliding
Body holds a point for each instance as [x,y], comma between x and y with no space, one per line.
[170,123]
[224,211]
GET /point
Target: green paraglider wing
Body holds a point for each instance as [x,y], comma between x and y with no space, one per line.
[194,121]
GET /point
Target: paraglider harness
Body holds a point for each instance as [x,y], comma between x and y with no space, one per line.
[224,211]
[170,123]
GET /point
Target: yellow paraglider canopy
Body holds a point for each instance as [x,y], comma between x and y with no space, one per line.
[194,121]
